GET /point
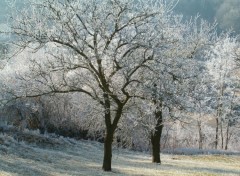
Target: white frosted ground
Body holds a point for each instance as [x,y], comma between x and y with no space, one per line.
[69,157]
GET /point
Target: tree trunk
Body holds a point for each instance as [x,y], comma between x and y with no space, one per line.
[107,160]
[42,127]
[156,137]
[227,135]
[222,137]
[200,142]
[216,138]
[155,140]
[219,115]
[110,128]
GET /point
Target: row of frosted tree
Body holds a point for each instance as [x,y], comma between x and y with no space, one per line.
[121,68]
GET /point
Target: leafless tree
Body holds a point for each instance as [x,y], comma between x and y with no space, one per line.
[98,48]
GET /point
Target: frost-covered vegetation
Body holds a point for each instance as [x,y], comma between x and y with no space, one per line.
[58,156]
[126,73]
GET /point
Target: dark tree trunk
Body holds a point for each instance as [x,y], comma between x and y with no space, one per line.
[107,160]
[219,115]
[200,142]
[156,137]
[227,135]
[110,128]
[216,137]
[222,137]
[42,127]
[155,140]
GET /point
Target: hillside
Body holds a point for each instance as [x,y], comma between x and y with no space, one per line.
[45,156]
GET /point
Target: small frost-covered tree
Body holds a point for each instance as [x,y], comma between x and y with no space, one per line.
[178,69]
[223,70]
[98,48]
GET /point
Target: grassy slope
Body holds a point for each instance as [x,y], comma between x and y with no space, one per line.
[69,157]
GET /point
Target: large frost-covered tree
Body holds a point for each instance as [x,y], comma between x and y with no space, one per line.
[98,48]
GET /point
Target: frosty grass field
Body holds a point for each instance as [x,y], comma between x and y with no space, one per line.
[48,156]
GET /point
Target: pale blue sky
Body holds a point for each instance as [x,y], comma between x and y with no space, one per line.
[227,12]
